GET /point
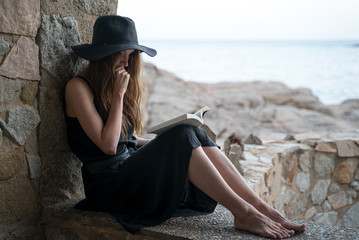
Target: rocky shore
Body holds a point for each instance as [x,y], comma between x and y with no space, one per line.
[270,110]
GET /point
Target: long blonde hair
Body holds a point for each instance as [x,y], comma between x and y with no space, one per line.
[101,80]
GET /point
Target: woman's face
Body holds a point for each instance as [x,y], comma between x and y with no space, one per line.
[123,58]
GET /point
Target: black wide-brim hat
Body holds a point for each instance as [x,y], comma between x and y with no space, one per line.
[111,34]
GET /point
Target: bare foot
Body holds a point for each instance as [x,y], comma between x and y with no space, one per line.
[256,222]
[277,217]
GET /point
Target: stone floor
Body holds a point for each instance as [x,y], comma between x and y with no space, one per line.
[72,224]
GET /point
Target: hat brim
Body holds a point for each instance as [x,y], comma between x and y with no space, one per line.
[93,52]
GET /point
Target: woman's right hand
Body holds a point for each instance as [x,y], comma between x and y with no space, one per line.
[122,78]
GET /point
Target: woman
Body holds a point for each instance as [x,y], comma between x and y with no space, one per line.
[143,182]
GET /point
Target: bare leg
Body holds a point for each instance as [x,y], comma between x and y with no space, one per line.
[235,180]
[203,174]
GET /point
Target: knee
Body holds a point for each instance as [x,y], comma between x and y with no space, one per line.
[184,132]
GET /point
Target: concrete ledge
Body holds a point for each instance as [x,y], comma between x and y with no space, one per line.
[64,222]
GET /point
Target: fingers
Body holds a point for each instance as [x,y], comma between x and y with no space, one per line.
[122,79]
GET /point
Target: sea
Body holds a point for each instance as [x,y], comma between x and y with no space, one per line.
[329,68]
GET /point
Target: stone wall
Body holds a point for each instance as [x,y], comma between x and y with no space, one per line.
[36,166]
[309,177]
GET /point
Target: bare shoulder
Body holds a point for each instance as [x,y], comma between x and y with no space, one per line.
[77,95]
[76,84]
[77,87]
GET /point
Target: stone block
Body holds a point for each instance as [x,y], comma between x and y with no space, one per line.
[340,199]
[234,158]
[25,54]
[351,217]
[310,213]
[4,46]
[289,170]
[328,218]
[356,176]
[299,205]
[334,187]
[347,148]
[34,163]
[99,7]
[17,200]
[326,147]
[9,93]
[20,123]
[57,233]
[319,191]
[289,195]
[57,34]
[253,139]
[355,185]
[11,159]
[20,17]
[238,149]
[323,165]
[302,181]
[326,206]
[28,92]
[61,177]
[344,172]
[305,161]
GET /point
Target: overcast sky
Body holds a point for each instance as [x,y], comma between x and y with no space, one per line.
[243,19]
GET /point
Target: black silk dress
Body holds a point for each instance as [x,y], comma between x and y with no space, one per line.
[141,186]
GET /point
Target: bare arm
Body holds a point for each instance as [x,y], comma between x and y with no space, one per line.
[141,141]
[79,104]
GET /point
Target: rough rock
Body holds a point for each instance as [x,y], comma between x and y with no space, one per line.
[242,107]
[310,213]
[299,206]
[326,206]
[20,17]
[328,218]
[289,195]
[355,185]
[326,147]
[253,139]
[323,165]
[356,176]
[347,148]
[17,200]
[302,181]
[20,123]
[34,163]
[334,187]
[11,159]
[290,168]
[351,217]
[340,199]
[348,111]
[9,93]
[57,35]
[344,172]
[25,54]
[28,92]
[319,191]
[4,45]
[100,7]
[305,161]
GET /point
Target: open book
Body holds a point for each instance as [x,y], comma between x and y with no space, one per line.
[193,119]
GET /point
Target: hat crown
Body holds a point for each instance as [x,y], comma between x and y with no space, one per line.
[114,30]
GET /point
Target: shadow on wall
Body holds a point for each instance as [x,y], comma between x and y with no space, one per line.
[61,176]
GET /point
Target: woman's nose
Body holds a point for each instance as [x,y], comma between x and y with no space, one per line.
[124,61]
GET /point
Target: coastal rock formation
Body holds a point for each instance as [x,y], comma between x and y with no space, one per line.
[269,110]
